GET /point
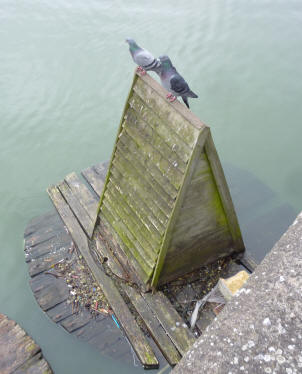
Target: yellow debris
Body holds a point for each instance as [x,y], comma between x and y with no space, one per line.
[228,287]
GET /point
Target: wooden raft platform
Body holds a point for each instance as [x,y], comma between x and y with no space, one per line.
[58,254]
[19,354]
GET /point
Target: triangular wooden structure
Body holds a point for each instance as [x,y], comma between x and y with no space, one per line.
[165,198]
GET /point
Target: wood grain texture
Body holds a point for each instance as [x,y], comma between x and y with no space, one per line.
[78,209]
[173,324]
[164,162]
[87,199]
[52,292]
[18,351]
[154,327]
[119,307]
[178,203]
[224,194]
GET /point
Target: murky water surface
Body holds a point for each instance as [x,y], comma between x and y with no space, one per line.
[64,76]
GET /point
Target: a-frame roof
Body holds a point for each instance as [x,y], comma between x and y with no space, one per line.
[160,150]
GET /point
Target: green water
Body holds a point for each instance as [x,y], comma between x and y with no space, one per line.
[65,71]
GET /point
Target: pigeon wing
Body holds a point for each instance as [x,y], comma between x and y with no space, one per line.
[179,85]
[144,58]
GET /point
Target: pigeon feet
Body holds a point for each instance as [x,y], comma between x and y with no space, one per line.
[169,95]
[172,98]
[141,70]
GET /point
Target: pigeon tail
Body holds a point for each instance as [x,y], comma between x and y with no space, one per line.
[192,94]
[185,100]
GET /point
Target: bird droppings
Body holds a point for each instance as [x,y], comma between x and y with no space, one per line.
[280,359]
[266,322]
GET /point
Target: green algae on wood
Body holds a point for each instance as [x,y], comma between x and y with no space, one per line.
[165,195]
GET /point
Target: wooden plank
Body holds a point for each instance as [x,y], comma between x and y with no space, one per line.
[79,211]
[176,105]
[76,321]
[224,194]
[43,263]
[140,207]
[170,171]
[18,351]
[141,231]
[102,169]
[158,142]
[87,199]
[94,179]
[60,312]
[122,252]
[171,321]
[109,258]
[149,175]
[144,197]
[52,294]
[141,155]
[131,244]
[40,238]
[135,77]
[119,307]
[46,221]
[248,261]
[53,246]
[172,139]
[162,108]
[178,204]
[130,172]
[154,327]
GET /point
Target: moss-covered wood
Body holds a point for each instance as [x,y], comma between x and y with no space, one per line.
[165,198]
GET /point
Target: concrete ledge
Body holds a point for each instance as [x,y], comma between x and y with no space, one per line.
[260,329]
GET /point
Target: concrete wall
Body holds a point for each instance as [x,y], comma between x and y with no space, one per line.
[260,329]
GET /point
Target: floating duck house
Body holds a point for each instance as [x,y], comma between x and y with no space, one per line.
[165,199]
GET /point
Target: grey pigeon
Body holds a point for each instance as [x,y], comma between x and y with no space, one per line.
[174,82]
[143,58]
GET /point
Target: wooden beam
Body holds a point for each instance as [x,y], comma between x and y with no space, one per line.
[178,203]
[171,321]
[118,305]
[94,179]
[79,211]
[87,199]
[224,193]
[154,327]
[248,261]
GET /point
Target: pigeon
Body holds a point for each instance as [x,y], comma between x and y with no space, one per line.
[173,81]
[143,58]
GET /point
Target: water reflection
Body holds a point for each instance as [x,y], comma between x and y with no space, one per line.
[263,216]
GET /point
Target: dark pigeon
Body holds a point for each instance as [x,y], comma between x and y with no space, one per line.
[143,58]
[174,82]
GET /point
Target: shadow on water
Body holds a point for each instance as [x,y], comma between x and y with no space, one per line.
[262,215]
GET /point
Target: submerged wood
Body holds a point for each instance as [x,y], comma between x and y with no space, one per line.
[119,307]
[159,316]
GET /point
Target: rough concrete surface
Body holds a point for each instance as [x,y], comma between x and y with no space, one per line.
[260,329]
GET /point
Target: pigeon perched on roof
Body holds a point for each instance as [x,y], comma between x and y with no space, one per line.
[143,58]
[173,81]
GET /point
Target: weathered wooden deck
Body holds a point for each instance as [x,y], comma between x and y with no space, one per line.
[19,354]
[69,278]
